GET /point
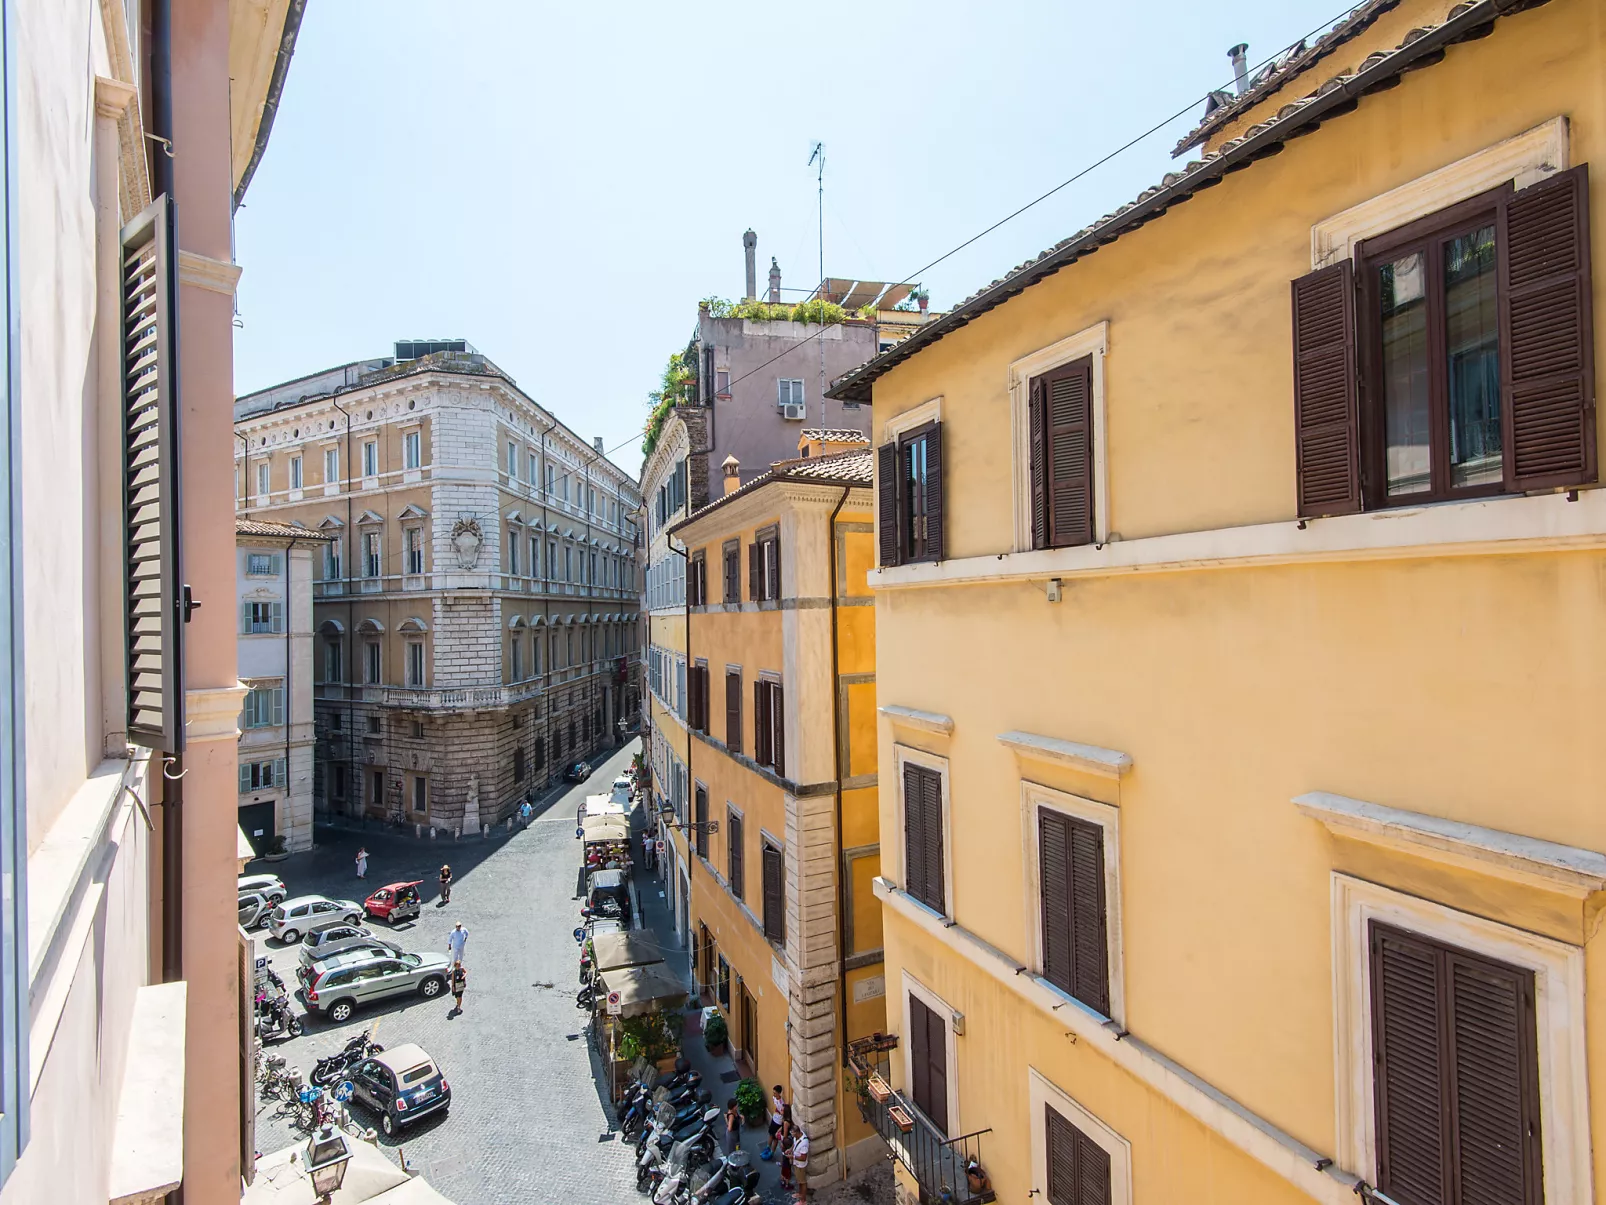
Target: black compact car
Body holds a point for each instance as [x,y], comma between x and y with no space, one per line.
[578,772]
[401,1084]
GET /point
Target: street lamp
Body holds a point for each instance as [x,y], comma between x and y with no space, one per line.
[327,1157]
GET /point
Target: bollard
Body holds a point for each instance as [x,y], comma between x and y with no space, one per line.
[432,832]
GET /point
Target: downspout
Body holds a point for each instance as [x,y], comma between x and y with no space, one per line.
[836,766]
[548,756]
[289,670]
[245,471]
[691,782]
[353,783]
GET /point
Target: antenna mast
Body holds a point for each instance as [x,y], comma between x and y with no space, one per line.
[818,153]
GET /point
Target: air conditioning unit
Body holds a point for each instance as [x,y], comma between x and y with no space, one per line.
[792,410]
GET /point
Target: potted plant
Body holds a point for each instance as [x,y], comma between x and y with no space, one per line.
[750,1101]
[716,1034]
[860,1087]
[276,849]
[977,1179]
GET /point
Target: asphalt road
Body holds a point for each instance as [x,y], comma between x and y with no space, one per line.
[528,1121]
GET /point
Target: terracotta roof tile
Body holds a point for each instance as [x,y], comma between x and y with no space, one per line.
[288,531]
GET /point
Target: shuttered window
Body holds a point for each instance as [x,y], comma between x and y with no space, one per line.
[755,572]
[1078,1167]
[1457,1086]
[922,836]
[1061,428]
[774,894]
[700,818]
[1454,359]
[697,706]
[761,728]
[732,561]
[777,720]
[152,580]
[909,498]
[1075,941]
[767,551]
[734,853]
[769,728]
[928,1063]
[733,710]
[697,580]
[257,618]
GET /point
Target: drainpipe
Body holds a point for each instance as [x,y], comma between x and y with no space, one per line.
[546,604]
[836,765]
[691,782]
[289,670]
[245,471]
[353,779]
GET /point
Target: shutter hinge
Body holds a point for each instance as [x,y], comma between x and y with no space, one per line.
[189,605]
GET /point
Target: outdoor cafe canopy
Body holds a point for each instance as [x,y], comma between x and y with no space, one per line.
[604,828]
[643,989]
[614,951]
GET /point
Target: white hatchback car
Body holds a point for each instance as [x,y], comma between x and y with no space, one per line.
[294,917]
[270,885]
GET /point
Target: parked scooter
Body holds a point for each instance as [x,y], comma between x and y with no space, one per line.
[274,1019]
[735,1171]
[331,1069]
[650,1168]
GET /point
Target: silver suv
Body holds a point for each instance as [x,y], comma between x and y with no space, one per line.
[337,937]
[294,917]
[337,991]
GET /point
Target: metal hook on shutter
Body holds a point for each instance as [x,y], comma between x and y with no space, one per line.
[169,761]
[165,143]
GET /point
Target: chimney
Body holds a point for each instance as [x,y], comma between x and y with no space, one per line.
[732,468]
[597,444]
[775,282]
[750,245]
[925,301]
[1240,70]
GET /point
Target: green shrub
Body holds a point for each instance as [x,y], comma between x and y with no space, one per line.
[716,1032]
[652,1036]
[750,1101]
[827,313]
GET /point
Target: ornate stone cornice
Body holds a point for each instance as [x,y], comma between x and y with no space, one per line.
[213,713]
[207,273]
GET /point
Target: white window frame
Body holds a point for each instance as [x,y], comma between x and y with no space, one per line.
[334,651]
[273,569]
[913,987]
[514,535]
[370,458]
[789,391]
[331,460]
[512,466]
[295,472]
[901,756]
[373,662]
[374,559]
[1558,971]
[1043,1094]
[412,536]
[515,658]
[415,663]
[413,449]
[1093,342]
[1032,797]
[264,481]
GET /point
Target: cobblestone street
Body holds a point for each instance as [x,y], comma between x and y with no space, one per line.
[528,1121]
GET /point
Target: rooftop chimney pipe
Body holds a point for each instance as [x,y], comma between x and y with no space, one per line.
[775,282]
[596,442]
[1240,70]
[750,245]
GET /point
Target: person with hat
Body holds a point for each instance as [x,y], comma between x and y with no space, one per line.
[446,885]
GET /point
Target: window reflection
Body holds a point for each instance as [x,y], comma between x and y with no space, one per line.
[1472,351]
[1403,302]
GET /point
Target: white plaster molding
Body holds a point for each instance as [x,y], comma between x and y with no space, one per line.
[204,272]
[1044,1094]
[913,987]
[1504,526]
[1526,860]
[113,97]
[909,420]
[1107,763]
[912,717]
[1035,796]
[1558,971]
[1094,342]
[1524,159]
[213,713]
[147,1158]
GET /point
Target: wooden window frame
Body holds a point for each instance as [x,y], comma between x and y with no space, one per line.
[766,552]
[1044,1094]
[1091,342]
[1562,1052]
[1035,797]
[907,754]
[735,853]
[730,560]
[906,538]
[733,732]
[776,935]
[697,579]
[913,987]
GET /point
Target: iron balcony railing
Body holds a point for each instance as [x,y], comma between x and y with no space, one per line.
[950,1171]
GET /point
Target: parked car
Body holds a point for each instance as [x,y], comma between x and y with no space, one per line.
[255,908]
[338,991]
[294,917]
[578,772]
[401,1084]
[335,937]
[270,885]
[394,903]
[307,971]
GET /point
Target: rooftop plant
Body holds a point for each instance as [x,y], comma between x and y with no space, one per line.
[679,384]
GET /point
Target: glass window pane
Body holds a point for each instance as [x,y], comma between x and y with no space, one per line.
[1402,298]
[1472,350]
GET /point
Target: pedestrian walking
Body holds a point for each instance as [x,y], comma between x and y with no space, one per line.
[525,812]
[732,1137]
[446,886]
[456,942]
[800,1162]
[777,1115]
[362,862]
[459,982]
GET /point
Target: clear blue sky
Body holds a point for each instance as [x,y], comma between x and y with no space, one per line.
[560,185]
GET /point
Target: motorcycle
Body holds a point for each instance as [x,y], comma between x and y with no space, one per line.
[651,1167]
[331,1069]
[275,1020]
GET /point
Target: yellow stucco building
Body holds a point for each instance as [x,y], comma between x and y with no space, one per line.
[781,769]
[1240,601]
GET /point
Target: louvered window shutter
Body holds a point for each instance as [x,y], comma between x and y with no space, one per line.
[276,611]
[772,568]
[279,778]
[701,817]
[691,697]
[914,834]
[1036,420]
[245,778]
[931,798]
[778,729]
[733,838]
[755,572]
[1078,1167]
[1326,427]
[733,711]
[930,1087]
[774,895]
[1075,940]
[245,618]
[887,504]
[761,744]
[919,1056]
[1068,452]
[936,526]
[152,582]
[1547,360]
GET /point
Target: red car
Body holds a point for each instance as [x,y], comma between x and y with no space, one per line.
[394,903]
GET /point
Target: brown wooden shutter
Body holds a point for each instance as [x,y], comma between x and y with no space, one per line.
[1497,1152]
[1054,864]
[1078,1167]
[1547,334]
[887,504]
[772,568]
[1075,942]
[914,833]
[733,841]
[700,816]
[774,894]
[1039,459]
[153,594]
[1326,426]
[936,533]
[733,710]
[928,1063]
[1406,1008]
[691,696]
[755,572]
[931,797]
[761,733]
[777,729]
[1068,419]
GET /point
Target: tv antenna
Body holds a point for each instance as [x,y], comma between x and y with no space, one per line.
[817,154]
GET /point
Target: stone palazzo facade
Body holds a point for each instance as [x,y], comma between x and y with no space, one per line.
[476,606]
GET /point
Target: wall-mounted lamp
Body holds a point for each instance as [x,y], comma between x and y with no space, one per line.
[1055,591]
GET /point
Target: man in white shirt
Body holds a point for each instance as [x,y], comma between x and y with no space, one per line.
[800,1163]
[456,941]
